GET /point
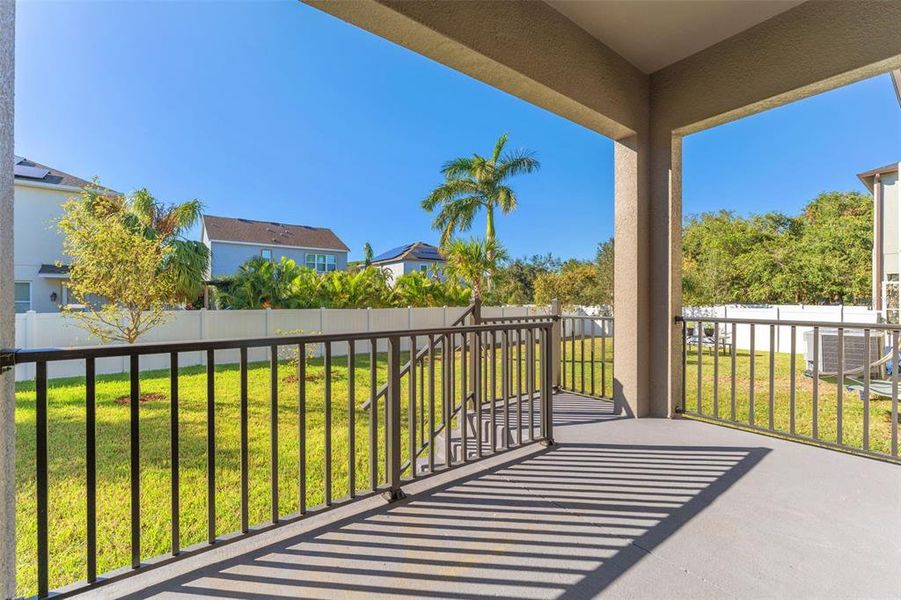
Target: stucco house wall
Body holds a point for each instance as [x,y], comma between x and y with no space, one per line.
[38,241]
[890,245]
[226,257]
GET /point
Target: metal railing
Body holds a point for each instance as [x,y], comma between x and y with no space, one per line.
[470,392]
[586,355]
[839,391]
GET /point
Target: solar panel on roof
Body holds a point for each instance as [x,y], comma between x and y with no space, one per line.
[18,159]
[30,172]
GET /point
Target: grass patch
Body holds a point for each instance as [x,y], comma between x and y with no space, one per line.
[67,464]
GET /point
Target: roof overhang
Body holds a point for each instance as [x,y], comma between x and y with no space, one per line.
[869,177]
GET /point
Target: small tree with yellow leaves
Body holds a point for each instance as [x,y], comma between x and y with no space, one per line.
[119,275]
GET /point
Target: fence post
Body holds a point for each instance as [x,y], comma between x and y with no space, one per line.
[392,423]
[556,335]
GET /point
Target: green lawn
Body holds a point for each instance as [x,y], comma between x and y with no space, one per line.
[879,425]
[66,410]
[852,408]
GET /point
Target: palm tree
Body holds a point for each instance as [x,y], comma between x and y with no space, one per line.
[186,260]
[475,182]
[367,254]
[473,261]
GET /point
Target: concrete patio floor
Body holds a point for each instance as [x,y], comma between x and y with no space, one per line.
[619,508]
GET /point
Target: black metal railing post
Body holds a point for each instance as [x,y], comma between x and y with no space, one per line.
[392,424]
[547,383]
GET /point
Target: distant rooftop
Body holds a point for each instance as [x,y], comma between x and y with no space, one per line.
[271,233]
[414,251]
[867,177]
[26,170]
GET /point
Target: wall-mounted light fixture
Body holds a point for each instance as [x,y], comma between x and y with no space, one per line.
[53,296]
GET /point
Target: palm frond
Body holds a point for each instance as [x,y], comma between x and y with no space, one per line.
[498,148]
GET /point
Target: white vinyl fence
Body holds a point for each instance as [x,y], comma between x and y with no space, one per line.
[56,330]
[785,312]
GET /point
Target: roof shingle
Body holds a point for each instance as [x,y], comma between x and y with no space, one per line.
[271,233]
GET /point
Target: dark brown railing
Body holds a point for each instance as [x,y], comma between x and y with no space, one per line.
[470,391]
[842,392]
[586,355]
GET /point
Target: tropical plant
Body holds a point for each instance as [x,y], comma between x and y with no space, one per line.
[367,254]
[473,262]
[123,278]
[472,183]
[186,260]
[262,283]
[367,287]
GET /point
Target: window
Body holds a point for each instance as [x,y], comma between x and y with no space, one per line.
[322,262]
[266,254]
[23,296]
[424,268]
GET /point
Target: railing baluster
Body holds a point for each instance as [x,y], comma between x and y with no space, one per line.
[392,423]
[732,352]
[40,386]
[302,427]
[431,403]
[505,386]
[563,352]
[245,458]
[135,446]
[173,449]
[815,382]
[492,433]
[327,411]
[351,419]
[477,375]
[840,380]
[771,407]
[446,366]
[373,416]
[582,354]
[530,380]
[716,370]
[604,360]
[90,387]
[411,408]
[572,352]
[699,334]
[751,384]
[792,386]
[593,338]
[866,389]
[895,365]
[422,432]
[546,391]
[273,430]
[464,399]
[211,446]
[519,387]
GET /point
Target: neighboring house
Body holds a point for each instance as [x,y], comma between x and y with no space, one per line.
[417,256]
[232,242]
[40,269]
[883,183]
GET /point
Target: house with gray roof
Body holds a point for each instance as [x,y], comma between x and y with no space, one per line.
[417,256]
[40,266]
[234,241]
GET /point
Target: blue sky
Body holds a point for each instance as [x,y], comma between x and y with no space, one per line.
[273,110]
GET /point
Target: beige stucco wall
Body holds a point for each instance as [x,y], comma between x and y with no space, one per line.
[529,50]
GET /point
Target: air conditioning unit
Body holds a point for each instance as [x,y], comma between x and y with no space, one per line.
[854,349]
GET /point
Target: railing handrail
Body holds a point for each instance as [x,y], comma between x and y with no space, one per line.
[17,356]
[791,323]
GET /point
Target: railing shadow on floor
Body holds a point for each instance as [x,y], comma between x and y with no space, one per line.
[565,522]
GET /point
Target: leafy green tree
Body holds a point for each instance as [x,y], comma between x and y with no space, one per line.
[474,262]
[186,260]
[473,183]
[124,278]
[577,282]
[514,280]
[367,254]
[822,255]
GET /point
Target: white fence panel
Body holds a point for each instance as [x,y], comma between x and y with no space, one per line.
[56,330]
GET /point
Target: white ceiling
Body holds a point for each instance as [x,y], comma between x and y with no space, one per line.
[652,34]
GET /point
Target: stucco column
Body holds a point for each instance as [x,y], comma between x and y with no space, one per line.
[7,307]
[631,291]
[648,263]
